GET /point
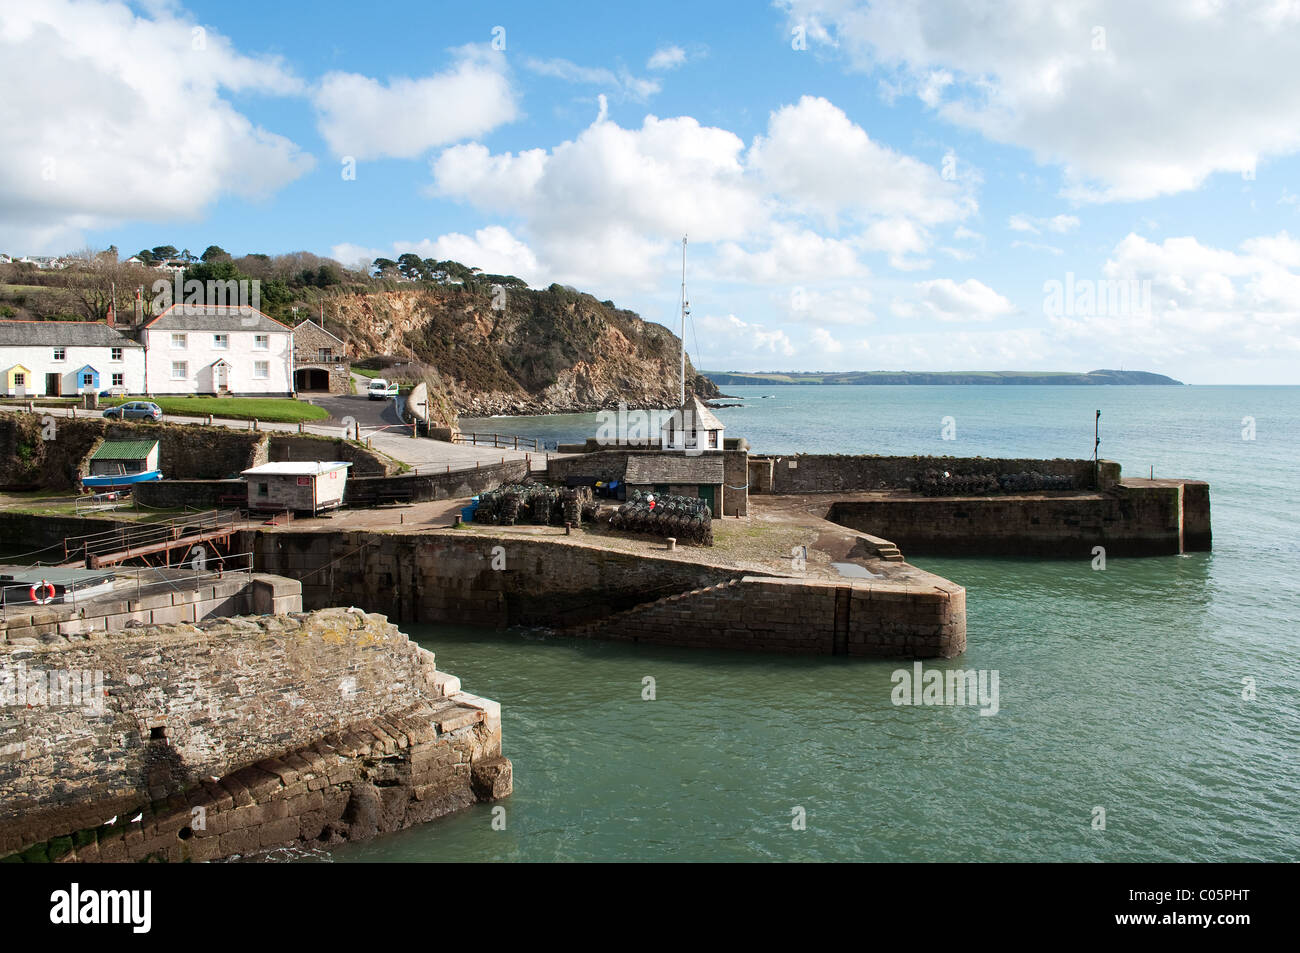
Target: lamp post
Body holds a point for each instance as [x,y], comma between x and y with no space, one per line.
[1096,445]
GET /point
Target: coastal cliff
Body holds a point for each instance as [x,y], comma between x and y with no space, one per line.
[521,351]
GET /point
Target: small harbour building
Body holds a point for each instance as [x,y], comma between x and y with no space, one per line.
[301,487]
[123,462]
[674,474]
[692,427]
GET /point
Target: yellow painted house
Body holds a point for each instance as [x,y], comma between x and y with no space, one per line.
[18,379]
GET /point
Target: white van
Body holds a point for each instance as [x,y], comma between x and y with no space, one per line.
[380,389]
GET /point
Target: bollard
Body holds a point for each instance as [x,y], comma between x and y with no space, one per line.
[209,420]
[672,543]
[456,525]
[401,519]
[568,529]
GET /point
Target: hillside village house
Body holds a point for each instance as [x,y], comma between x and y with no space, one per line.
[217,349]
[53,358]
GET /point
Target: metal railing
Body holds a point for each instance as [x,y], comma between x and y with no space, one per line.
[147,538]
[186,576]
[499,441]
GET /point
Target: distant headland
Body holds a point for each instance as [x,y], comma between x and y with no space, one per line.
[731,378]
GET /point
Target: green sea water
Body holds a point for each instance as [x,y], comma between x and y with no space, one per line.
[1120,690]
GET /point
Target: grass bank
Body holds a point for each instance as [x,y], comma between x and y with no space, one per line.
[270,409]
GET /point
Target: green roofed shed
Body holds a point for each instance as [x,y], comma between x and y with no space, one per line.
[124,456]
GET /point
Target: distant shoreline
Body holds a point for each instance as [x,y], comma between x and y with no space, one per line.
[734,378]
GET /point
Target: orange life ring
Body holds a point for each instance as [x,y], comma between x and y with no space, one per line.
[43,584]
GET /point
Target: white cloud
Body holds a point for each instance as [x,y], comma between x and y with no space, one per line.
[1040,76]
[818,160]
[822,340]
[622,83]
[666,57]
[791,256]
[361,117]
[1038,246]
[841,305]
[1061,224]
[971,300]
[1210,308]
[603,210]
[746,339]
[110,116]
[899,237]
[1022,223]
[492,249]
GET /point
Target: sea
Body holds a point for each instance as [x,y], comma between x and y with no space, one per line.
[1147,711]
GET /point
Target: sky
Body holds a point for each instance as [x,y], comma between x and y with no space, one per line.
[948,185]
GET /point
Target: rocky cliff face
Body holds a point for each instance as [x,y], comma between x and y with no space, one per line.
[522,351]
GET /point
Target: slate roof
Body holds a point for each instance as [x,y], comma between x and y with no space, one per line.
[196,317]
[673,468]
[699,418]
[317,327]
[62,334]
[124,450]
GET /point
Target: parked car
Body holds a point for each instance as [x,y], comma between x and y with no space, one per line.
[381,389]
[135,410]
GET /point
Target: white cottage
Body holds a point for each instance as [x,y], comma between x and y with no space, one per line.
[55,358]
[218,349]
[692,427]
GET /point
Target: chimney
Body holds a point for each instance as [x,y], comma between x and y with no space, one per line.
[139,307]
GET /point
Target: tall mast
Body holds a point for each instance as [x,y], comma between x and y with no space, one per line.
[685,311]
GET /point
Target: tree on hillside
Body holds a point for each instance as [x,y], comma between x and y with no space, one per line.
[384,266]
[214,252]
[410,266]
[145,255]
[164,252]
[99,273]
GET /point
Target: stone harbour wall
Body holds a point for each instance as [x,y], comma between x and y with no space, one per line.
[801,616]
[448,575]
[256,720]
[835,473]
[1133,519]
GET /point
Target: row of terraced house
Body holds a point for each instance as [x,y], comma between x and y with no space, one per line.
[186,349]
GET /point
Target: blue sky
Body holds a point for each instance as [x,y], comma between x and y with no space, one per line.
[866,185]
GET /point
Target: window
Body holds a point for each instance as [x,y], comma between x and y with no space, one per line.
[178,340]
[261,342]
[324,355]
[20,379]
[180,370]
[221,341]
[261,369]
[119,380]
[88,379]
[261,489]
[60,353]
[116,353]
